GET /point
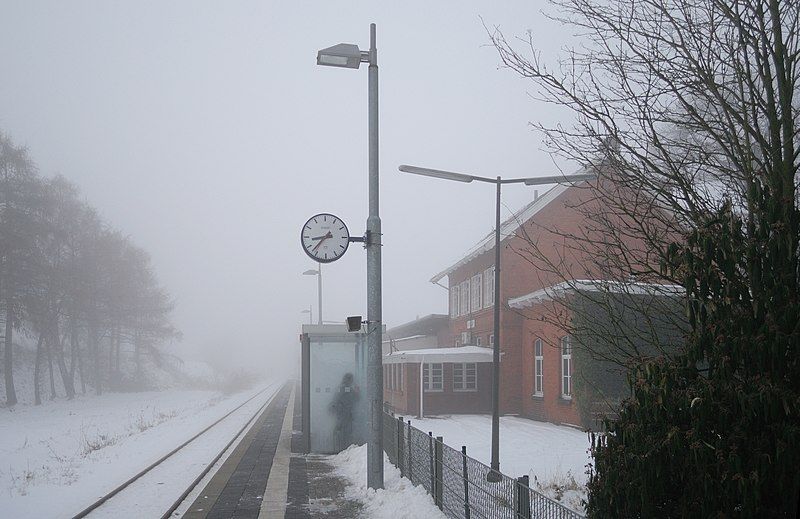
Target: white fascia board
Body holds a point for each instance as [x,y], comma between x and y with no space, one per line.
[558,290]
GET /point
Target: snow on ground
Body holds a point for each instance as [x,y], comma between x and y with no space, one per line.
[56,459]
[399,499]
[554,457]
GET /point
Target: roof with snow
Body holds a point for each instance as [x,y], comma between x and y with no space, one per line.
[594,285]
[437,355]
[509,227]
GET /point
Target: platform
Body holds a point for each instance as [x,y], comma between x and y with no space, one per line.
[268,476]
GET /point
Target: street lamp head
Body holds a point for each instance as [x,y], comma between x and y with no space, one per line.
[346,55]
[311,272]
[558,179]
[437,173]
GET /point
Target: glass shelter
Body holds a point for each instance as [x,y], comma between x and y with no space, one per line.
[335,404]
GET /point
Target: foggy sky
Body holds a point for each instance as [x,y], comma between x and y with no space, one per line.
[207,133]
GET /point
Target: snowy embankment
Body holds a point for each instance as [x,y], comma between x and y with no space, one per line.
[57,459]
[399,499]
[554,457]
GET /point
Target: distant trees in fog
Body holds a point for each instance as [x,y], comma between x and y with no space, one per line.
[80,289]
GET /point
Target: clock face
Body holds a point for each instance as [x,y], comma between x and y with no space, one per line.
[325,238]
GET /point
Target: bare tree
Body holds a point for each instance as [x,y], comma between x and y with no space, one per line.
[688,109]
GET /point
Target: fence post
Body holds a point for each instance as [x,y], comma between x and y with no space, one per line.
[522,503]
[400,460]
[430,460]
[465,475]
[438,471]
[409,448]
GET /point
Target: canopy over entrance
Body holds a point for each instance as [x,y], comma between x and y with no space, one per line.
[461,354]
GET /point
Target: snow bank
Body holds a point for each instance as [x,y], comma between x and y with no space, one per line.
[398,500]
[554,457]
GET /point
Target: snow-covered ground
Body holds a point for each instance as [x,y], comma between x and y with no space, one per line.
[56,459]
[399,499]
[555,457]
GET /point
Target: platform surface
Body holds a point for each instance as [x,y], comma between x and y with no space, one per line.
[268,476]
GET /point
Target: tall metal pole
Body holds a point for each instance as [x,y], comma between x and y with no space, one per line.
[319,291]
[494,475]
[374,326]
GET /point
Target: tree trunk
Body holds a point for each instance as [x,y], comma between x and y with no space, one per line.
[66,376]
[94,348]
[11,393]
[75,353]
[50,367]
[112,379]
[116,359]
[137,356]
[37,392]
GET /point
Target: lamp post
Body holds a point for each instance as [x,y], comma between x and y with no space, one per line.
[494,474]
[347,55]
[310,314]
[318,273]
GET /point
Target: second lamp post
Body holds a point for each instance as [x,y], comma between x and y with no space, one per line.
[318,273]
[494,474]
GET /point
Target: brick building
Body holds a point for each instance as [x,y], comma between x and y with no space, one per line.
[537,367]
[471,285]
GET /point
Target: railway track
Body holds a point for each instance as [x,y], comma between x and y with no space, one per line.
[97,507]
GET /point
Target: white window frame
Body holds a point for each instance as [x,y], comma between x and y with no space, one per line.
[463,288]
[566,368]
[454,301]
[431,382]
[478,340]
[538,368]
[476,291]
[488,287]
[463,380]
[491,339]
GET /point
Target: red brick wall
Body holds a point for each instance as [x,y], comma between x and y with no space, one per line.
[521,274]
[550,407]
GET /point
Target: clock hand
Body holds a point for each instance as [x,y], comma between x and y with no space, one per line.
[322,239]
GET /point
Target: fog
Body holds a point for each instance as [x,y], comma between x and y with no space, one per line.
[207,133]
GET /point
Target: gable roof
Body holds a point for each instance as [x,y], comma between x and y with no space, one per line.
[509,227]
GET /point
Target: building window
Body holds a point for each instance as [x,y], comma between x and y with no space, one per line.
[399,377]
[463,288]
[454,300]
[465,377]
[476,292]
[491,339]
[566,368]
[488,287]
[538,368]
[432,377]
[478,340]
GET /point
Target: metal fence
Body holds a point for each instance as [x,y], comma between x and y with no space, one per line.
[458,483]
